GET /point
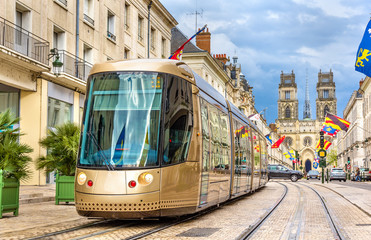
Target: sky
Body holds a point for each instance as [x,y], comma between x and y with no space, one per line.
[271,36]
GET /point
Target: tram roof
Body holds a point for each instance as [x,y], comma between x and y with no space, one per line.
[174,67]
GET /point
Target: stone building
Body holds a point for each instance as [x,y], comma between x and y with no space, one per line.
[302,135]
[350,144]
[79,33]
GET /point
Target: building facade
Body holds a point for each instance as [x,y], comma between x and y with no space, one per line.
[350,145]
[34,34]
[303,135]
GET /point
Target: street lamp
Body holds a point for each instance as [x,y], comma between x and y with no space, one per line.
[57,64]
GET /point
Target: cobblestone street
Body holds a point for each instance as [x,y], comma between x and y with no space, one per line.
[301,215]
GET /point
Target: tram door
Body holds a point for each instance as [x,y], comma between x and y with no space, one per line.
[256,159]
[237,158]
[205,153]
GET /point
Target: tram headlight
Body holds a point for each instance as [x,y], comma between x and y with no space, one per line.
[145,178]
[81,178]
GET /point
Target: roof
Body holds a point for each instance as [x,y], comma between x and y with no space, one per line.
[178,39]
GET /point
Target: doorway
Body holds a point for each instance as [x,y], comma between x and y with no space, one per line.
[308,165]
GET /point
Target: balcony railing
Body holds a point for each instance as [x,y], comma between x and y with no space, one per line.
[111,36]
[73,65]
[88,19]
[24,42]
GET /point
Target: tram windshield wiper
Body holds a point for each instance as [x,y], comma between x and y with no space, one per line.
[110,167]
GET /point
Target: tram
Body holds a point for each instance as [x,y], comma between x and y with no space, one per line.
[157,140]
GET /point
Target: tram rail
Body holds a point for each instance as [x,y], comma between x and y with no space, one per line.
[334,227]
[249,232]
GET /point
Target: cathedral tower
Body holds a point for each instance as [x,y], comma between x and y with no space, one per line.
[288,101]
[326,99]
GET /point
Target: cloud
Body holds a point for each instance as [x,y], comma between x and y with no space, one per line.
[334,8]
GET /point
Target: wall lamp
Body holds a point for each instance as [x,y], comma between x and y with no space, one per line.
[57,64]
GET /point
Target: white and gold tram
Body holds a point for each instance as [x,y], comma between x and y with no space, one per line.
[157,140]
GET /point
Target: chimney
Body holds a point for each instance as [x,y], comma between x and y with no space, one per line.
[221,57]
[361,82]
[203,40]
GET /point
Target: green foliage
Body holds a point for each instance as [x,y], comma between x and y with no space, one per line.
[332,158]
[62,144]
[13,155]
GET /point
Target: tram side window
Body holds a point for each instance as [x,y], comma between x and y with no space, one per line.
[215,138]
[205,136]
[178,121]
[225,141]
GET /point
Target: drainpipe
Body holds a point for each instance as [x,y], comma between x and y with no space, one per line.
[77,33]
[149,25]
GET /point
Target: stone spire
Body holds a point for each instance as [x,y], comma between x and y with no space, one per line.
[307,113]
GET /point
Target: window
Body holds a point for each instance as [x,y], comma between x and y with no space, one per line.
[325,94]
[59,112]
[325,80]
[287,94]
[111,26]
[287,112]
[288,141]
[89,11]
[127,16]
[326,110]
[153,39]
[22,21]
[59,38]
[307,141]
[178,120]
[126,53]
[163,46]
[88,53]
[287,81]
[140,28]
[9,98]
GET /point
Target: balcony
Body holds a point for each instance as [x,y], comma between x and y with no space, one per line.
[24,42]
[73,66]
[88,19]
[111,36]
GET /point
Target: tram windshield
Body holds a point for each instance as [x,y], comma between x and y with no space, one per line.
[122,120]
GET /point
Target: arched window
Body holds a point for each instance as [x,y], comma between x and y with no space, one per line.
[287,112]
[326,110]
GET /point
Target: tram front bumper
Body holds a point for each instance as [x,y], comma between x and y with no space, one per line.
[131,206]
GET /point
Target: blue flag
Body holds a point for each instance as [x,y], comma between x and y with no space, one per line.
[363,63]
[269,137]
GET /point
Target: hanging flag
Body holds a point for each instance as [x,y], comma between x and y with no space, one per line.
[177,55]
[326,144]
[341,123]
[278,143]
[290,154]
[363,63]
[269,137]
[254,117]
[329,130]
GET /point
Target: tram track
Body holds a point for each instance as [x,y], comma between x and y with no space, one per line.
[249,232]
[334,227]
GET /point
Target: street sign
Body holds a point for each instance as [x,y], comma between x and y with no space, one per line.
[322,153]
[315,165]
[348,166]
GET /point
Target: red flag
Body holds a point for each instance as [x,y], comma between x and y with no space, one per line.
[278,143]
[178,53]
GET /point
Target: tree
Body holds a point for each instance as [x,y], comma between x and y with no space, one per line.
[332,158]
[14,160]
[62,145]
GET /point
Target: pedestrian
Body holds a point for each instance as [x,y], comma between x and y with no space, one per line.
[358,175]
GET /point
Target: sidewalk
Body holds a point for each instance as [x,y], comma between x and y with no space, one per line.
[36,194]
[358,196]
